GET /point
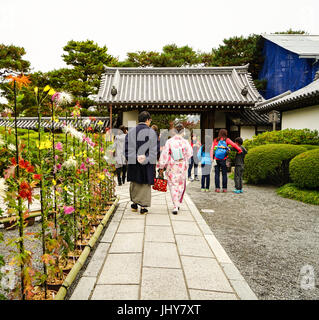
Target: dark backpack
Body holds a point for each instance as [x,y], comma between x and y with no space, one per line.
[221,150]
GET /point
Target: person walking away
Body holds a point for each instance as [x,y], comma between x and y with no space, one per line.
[141,151]
[239,166]
[175,158]
[219,152]
[120,161]
[194,161]
[206,163]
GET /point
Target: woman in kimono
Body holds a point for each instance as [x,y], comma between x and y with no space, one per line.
[175,158]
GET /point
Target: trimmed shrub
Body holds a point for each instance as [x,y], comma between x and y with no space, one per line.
[287,136]
[309,147]
[304,169]
[291,191]
[270,163]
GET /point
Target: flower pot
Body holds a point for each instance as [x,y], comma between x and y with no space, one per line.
[81,245]
[95,223]
[39,294]
[74,254]
[54,286]
[30,221]
[10,225]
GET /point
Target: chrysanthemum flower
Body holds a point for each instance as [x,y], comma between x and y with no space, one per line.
[20,80]
[59,146]
[62,98]
[25,191]
[12,147]
[68,210]
[70,163]
[73,132]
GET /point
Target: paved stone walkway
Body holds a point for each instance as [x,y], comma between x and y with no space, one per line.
[160,256]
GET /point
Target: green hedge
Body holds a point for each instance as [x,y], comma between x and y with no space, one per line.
[309,147]
[287,136]
[304,169]
[291,191]
[270,163]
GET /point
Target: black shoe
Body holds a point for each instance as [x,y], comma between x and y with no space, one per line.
[143,211]
[134,207]
[175,211]
[123,180]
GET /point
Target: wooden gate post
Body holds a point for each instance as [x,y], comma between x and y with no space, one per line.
[207,121]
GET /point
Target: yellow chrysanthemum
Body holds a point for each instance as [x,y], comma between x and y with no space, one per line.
[46,88]
[54,182]
[44,144]
[101,176]
[51,92]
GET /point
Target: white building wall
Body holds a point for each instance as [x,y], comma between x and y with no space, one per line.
[130,116]
[301,118]
[247,132]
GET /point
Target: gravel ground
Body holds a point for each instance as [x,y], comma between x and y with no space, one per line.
[269,238]
[35,247]
[32,245]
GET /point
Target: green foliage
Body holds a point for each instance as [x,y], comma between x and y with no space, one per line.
[309,146]
[88,61]
[290,31]
[291,191]
[232,156]
[270,163]
[287,136]
[171,56]
[304,169]
[165,120]
[260,85]
[11,58]
[238,51]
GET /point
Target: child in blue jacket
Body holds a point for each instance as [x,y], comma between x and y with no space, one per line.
[204,158]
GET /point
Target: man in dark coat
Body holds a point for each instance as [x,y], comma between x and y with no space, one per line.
[141,151]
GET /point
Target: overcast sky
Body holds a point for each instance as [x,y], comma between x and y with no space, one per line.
[44,27]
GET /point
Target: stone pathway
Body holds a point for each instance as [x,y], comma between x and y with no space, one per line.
[160,256]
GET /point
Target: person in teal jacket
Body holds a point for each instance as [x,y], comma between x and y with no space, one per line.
[206,163]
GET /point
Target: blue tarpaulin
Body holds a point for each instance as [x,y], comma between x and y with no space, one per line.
[284,70]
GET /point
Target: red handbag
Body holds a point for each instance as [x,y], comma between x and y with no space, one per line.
[160,184]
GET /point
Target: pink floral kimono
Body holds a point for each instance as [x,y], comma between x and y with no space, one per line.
[176,170]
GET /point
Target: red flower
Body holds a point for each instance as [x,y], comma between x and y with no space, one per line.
[37,176]
[90,129]
[23,164]
[13,161]
[30,169]
[25,191]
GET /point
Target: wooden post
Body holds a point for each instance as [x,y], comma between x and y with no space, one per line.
[207,121]
[111,121]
